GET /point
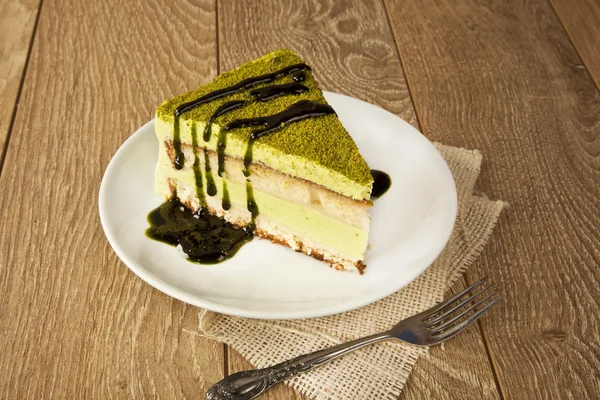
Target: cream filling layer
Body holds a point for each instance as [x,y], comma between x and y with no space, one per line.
[333,233]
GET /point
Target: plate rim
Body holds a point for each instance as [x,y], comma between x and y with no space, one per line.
[337,308]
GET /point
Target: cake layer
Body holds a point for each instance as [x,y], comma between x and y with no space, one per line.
[314,149]
[284,187]
[289,231]
[345,239]
[289,164]
[307,220]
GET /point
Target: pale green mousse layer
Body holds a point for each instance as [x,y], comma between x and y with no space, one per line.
[347,239]
[317,149]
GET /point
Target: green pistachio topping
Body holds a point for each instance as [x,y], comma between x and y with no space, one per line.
[322,140]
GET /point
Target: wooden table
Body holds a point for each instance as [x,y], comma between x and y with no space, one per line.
[517,80]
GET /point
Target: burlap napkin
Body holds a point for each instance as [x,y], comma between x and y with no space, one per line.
[381,370]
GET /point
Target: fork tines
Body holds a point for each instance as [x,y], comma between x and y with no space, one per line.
[460,311]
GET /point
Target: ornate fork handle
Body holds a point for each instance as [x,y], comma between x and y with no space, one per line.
[247,385]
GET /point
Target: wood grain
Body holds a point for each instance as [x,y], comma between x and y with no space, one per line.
[581,20]
[74,321]
[503,77]
[352,51]
[17,19]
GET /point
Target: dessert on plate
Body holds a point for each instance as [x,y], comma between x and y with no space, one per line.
[260,147]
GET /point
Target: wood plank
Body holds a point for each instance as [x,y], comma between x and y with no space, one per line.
[581,19]
[352,51]
[74,321]
[503,77]
[17,19]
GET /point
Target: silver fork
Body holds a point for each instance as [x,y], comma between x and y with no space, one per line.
[427,328]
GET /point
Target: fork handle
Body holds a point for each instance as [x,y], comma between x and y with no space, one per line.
[247,385]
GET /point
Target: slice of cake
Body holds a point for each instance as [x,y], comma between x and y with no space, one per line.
[261,148]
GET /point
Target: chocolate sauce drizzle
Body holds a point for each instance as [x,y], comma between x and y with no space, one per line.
[240,86]
[204,238]
[381,183]
[296,112]
[251,205]
[225,202]
[211,188]
[179,158]
[299,76]
[271,92]
[196,167]
[223,109]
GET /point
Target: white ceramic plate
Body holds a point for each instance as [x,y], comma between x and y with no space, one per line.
[410,226]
